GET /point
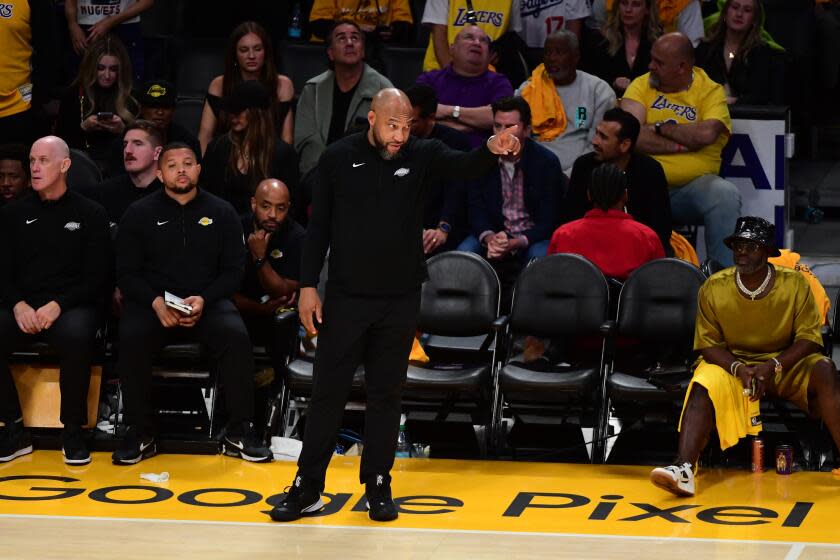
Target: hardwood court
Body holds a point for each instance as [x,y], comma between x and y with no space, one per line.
[213,507]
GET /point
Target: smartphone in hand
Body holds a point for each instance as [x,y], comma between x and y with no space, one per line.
[177,303]
[104,115]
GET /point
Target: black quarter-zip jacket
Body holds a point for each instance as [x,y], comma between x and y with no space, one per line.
[189,250]
[369,212]
[56,250]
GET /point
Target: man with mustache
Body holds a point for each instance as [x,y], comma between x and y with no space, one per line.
[14,173]
[368,210]
[467,87]
[188,242]
[566,103]
[685,125]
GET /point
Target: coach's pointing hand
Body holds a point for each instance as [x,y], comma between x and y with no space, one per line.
[505,143]
[309,304]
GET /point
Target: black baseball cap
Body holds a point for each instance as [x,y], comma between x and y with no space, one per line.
[158,93]
[250,94]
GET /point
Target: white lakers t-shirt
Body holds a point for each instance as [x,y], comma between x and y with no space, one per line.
[90,12]
[543,17]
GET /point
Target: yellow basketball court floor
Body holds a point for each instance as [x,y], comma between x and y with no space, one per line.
[215,507]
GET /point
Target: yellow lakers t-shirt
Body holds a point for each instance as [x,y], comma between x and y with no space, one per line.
[15,53]
[493,18]
[368,14]
[704,100]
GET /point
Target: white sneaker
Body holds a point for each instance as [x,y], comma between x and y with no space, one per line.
[677,479]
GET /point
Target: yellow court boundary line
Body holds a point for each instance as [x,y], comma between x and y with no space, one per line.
[795,545]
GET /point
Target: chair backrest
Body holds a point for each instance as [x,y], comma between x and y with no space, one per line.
[658,302]
[199,64]
[403,65]
[560,295]
[461,296]
[83,171]
[188,114]
[829,276]
[302,61]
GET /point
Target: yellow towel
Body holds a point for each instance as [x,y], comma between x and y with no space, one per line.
[668,11]
[683,249]
[548,117]
[790,259]
[418,355]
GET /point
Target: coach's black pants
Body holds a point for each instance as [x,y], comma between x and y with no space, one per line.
[224,339]
[72,336]
[376,332]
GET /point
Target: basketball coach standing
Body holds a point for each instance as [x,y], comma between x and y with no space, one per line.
[367,208]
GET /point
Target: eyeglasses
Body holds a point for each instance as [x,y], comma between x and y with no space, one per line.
[747,247]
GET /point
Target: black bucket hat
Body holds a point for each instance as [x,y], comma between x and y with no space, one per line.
[250,94]
[759,230]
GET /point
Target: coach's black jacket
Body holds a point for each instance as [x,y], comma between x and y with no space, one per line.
[189,250]
[369,212]
[57,250]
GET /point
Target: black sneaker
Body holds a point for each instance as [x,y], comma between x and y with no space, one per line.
[379,503]
[14,441]
[241,441]
[73,446]
[134,448]
[302,498]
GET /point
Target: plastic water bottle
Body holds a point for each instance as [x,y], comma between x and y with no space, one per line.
[295,31]
[403,448]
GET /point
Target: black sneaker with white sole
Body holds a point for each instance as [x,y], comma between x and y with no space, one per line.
[73,446]
[302,498]
[241,441]
[381,506]
[134,448]
[14,441]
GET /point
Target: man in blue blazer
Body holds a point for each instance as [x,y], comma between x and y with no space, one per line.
[514,209]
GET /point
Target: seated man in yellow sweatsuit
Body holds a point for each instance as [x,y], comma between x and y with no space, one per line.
[758,331]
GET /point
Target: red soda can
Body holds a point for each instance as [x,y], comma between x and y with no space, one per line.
[757,455]
[784,459]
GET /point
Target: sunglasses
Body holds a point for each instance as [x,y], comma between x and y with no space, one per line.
[747,247]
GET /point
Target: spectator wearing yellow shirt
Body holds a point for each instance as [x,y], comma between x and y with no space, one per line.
[386,20]
[685,125]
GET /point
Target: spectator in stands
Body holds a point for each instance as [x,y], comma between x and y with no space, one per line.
[204,267]
[142,143]
[621,53]
[157,100]
[98,106]
[336,101]
[566,103]
[607,235]
[647,190]
[758,332]
[684,16]
[14,173]
[448,18]
[540,19]
[386,21]
[513,210]
[445,219]
[685,124]
[55,256]
[272,268]
[739,55]
[465,88]
[249,56]
[250,151]
[30,67]
[90,20]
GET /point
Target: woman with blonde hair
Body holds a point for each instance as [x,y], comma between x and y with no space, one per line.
[741,55]
[249,56]
[622,53]
[98,105]
[236,161]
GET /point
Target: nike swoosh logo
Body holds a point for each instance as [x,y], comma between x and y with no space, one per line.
[162,223]
[31,221]
[240,446]
[143,446]
[358,164]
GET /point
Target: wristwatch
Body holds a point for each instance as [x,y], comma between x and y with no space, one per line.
[445,227]
[259,262]
[778,369]
[657,127]
[456,112]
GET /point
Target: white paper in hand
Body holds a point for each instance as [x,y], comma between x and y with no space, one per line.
[177,303]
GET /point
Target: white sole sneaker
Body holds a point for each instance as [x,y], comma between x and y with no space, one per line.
[19,453]
[75,461]
[676,479]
